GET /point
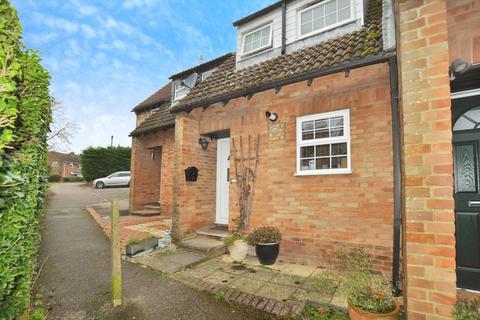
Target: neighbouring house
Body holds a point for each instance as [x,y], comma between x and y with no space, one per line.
[363,98]
[64,165]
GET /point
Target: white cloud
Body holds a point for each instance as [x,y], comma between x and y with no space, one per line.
[85,9]
[88,31]
[129,4]
[57,23]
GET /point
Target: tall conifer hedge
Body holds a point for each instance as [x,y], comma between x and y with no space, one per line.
[25,116]
[99,162]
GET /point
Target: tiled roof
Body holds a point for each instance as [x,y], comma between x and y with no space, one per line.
[160,96]
[159,119]
[227,81]
[203,67]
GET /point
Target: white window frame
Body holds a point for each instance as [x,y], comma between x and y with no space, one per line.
[270,39]
[345,113]
[333,26]
[182,86]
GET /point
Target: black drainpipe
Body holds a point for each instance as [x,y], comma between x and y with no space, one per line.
[284,26]
[397,175]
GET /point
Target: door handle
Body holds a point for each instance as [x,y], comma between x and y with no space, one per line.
[474,204]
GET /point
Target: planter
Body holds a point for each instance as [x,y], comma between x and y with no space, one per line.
[358,314]
[144,245]
[238,250]
[267,253]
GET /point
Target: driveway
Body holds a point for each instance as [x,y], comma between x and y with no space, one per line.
[75,277]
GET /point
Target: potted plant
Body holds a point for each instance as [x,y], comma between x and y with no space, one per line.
[237,245]
[370,295]
[267,244]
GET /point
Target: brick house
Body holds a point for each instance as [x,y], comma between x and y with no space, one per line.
[64,164]
[360,152]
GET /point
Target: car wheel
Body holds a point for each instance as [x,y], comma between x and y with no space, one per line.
[100,185]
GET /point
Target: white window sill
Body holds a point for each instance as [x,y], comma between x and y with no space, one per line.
[321,172]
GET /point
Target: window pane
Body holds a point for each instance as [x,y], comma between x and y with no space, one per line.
[306,16]
[307,125]
[318,23]
[337,121]
[323,163]
[307,152]
[339,162]
[318,12]
[323,133]
[344,14]
[339,149]
[307,136]
[306,28]
[323,150]
[307,164]
[331,19]
[330,7]
[337,132]
[343,4]
[323,123]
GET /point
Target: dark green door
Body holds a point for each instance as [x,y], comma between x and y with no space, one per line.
[466,143]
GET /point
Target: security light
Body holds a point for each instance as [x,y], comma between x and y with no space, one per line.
[272,116]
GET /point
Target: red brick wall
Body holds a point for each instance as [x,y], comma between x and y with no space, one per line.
[429,245]
[152,180]
[195,201]
[464,30]
[62,167]
[316,214]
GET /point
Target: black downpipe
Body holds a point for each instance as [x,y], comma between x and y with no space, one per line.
[397,184]
[284,26]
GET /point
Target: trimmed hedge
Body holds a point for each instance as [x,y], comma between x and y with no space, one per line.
[25,116]
[100,162]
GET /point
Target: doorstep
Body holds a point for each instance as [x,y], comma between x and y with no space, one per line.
[281,289]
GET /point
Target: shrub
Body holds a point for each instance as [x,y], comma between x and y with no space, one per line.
[228,241]
[25,116]
[100,162]
[73,179]
[466,310]
[55,178]
[133,241]
[365,289]
[312,312]
[264,235]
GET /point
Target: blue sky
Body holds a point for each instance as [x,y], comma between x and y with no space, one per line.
[107,56]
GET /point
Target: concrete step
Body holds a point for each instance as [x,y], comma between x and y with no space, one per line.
[204,245]
[146,213]
[213,232]
[155,206]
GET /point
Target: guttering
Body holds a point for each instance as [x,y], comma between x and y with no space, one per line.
[397,176]
[370,60]
[284,26]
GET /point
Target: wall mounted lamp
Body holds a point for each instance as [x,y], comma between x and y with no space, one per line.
[458,67]
[272,116]
[203,141]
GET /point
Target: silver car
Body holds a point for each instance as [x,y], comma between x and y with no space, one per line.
[120,178]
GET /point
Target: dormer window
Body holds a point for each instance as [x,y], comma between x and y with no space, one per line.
[180,91]
[257,40]
[323,16]
[206,74]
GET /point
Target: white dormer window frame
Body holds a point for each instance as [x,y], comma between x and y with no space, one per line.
[261,48]
[179,91]
[324,28]
[208,73]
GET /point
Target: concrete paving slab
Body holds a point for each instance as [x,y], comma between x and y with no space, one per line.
[276,291]
[302,295]
[173,261]
[288,279]
[299,270]
[221,278]
[253,261]
[246,285]
[340,299]
[260,274]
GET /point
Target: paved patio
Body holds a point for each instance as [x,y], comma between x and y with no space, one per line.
[289,284]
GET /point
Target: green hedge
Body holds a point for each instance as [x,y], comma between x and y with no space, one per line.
[100,162]
[25,116]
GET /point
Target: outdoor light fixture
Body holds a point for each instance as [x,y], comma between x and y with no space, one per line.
[272,116]
[203,141]
[458,67]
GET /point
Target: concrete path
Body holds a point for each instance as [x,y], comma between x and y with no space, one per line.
[75,277]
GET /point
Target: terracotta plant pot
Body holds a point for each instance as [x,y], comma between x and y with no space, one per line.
[358,314]
[267,253]
[238,250]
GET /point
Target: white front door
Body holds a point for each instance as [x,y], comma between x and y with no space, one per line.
[223,167]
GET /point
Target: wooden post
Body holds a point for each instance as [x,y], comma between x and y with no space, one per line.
[116,256]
